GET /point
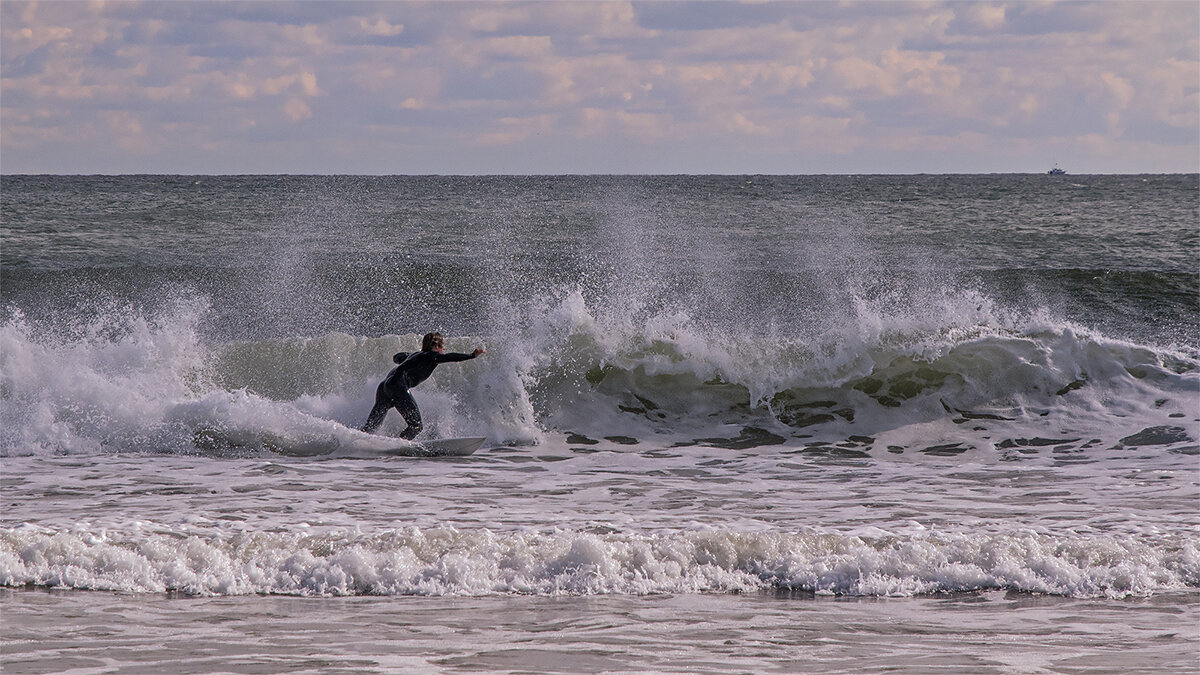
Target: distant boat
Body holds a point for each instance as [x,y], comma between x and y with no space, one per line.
[1056,172]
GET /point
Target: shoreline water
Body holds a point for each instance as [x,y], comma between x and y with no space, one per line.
[625,521]
[988,632]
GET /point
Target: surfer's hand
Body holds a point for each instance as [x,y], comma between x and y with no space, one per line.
[478,351]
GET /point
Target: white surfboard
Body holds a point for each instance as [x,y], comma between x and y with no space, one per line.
[442,447]
[344,442]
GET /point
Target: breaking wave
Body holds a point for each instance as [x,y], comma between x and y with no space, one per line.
[440,562]
[130,382]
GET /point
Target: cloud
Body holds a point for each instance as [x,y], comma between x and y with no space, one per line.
[980,17]
[510,130]
[681,16]
[379,27]
[652,86]
[296,110]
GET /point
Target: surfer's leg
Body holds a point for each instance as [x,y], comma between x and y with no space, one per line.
[408,408]
[383,403]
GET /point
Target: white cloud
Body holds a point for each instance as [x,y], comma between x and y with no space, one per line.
[982,16]
[743,83]
[599,122]
[379,27]
[510,130]
[296,110]
[1121,89]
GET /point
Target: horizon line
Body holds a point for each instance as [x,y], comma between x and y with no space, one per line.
[589,175]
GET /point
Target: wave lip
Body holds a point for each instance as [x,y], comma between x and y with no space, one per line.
[441,562]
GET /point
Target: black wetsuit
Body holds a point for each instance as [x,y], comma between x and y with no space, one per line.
[414,369]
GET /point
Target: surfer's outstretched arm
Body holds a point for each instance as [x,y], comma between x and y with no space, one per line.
[450,357]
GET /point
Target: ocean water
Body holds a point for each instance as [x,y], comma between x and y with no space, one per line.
[751,423]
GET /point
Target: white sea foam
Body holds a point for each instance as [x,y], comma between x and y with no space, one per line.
[135,383]
[413,561]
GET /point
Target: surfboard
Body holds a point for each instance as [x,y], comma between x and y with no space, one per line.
[354,443]
[442,447]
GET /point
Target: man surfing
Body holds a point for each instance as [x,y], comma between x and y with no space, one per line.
[413,369]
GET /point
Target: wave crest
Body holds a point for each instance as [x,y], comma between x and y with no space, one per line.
[135,383]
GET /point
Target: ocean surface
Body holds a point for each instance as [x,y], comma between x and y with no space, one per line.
[733,423]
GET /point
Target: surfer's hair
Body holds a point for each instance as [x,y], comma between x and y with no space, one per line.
[432,342]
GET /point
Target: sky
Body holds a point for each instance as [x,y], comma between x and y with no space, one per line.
[599,87]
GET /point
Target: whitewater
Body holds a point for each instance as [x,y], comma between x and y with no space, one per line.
[707,400]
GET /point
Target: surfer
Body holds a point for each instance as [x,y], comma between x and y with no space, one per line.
[412,369]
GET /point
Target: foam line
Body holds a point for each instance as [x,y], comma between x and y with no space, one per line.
[481,562]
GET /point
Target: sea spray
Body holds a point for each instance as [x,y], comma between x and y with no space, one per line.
[103,387]
[153,383]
